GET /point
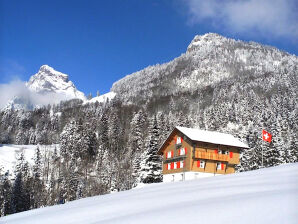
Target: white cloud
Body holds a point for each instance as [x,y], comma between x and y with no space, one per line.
[269,18]
[18,89]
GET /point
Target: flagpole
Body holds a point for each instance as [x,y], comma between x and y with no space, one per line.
[262,152]
[262,146]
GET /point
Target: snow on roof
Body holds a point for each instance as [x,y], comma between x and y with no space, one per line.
[211,137]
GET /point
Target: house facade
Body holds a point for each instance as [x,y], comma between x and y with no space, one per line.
[192,153]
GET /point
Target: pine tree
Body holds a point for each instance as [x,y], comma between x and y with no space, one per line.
[19,198]
[5,195]
[136,145]
[151,165]
[38,188]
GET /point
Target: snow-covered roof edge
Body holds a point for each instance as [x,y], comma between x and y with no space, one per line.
[211,137]
[208,137]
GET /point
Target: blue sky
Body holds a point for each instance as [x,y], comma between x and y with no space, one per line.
[99,42]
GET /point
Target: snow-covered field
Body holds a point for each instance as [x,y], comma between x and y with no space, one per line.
[262,196]
[8,154]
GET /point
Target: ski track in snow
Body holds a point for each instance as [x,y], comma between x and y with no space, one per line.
[262,196]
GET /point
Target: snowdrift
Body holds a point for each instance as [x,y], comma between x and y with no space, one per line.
[262,196]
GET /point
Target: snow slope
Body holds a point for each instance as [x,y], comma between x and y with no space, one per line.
[8,154]
[102,98]
[262,196]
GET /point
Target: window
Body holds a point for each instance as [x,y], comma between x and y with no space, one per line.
[224,152]
[169,166]
[182,151]
[220,166]
[175,165]
[178,140]
[170,154]
[201,164]
[181,164]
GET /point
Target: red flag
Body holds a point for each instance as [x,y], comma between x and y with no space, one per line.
[266,136]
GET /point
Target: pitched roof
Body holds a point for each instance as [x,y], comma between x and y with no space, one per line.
[211,137]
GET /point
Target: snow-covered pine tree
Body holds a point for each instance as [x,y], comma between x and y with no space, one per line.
[136,144]
[151,166]
[5,195]
[19,200]
[38,188]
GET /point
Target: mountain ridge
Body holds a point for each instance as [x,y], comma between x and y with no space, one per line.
[209,59]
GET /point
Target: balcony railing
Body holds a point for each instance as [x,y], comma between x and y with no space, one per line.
[211,156]
[175,158]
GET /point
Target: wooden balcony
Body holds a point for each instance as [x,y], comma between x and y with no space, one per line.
[174,159]
[211,156]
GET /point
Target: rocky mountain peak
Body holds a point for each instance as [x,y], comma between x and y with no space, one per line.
[206,40]
[48,80]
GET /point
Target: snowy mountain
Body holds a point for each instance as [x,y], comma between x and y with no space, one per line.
[219,84]
[47,86]
[210,60]
[244,198]
[48,80]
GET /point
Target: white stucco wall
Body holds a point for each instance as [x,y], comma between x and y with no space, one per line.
[186,176]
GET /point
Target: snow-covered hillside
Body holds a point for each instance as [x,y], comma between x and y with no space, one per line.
[102,98]
[9,154]
[262,196]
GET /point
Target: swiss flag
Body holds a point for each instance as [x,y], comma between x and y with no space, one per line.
[266,136]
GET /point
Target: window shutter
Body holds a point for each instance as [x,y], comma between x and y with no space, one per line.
[178,165]
[231,154]
[198,163]
[172,165]
[172,154]
[166,166]
[181,139]
[216,151]
[185,150]
[222,166]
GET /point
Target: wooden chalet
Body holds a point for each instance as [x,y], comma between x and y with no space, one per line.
[192,153]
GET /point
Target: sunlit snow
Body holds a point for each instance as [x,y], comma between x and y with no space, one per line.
[261,196]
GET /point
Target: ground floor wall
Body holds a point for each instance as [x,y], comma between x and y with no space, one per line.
[175,177]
